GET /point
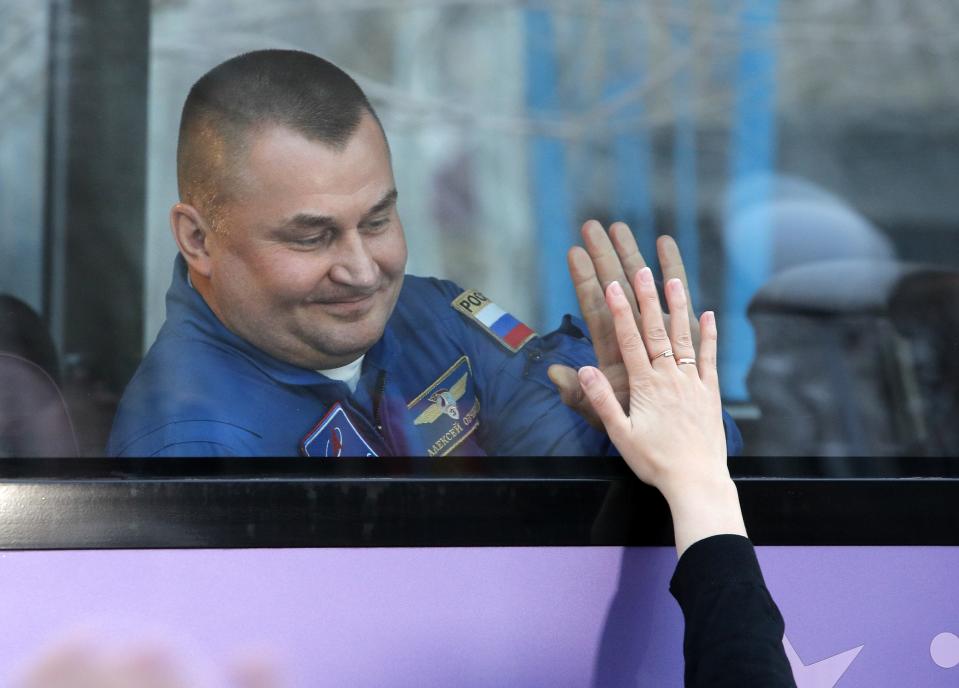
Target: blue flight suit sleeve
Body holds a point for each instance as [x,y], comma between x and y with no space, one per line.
[191,438]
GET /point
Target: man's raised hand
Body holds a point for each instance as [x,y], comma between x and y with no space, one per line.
[607,258]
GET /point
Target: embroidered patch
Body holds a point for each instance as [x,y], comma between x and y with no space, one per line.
[335,435]
[447,411]
[502,326]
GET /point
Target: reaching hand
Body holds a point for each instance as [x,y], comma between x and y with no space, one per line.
[671,433]
[607,259]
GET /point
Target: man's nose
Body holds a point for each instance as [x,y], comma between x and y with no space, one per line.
[354,265]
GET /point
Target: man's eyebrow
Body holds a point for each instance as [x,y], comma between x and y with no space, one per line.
[310,221]
[383,204]
[307,221]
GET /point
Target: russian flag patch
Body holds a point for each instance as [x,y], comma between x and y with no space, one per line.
[502,326]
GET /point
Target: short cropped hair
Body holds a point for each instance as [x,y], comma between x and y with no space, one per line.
[289,88]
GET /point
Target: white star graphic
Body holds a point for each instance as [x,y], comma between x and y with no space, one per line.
[822,674]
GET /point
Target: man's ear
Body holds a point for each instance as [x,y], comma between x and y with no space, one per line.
[192,234]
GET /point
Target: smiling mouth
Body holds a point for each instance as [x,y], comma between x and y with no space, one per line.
[346,301]
[351,307]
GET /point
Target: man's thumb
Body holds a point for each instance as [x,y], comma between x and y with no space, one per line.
[567,382]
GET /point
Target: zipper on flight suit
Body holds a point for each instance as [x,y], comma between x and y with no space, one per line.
[377,398]
[376,426]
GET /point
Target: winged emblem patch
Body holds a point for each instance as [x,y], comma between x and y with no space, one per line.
[447,411]
[444,401]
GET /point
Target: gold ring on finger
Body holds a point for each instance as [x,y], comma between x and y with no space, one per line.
[685,361]
[668,353]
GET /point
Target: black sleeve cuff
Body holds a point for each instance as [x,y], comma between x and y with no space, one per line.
[715,560]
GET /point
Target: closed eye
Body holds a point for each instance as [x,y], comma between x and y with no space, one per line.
[377,224]
[311,241]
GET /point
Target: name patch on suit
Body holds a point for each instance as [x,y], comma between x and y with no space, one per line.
[447,411]
[335,435]
[499,324]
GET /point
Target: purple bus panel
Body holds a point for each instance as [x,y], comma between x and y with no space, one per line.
[537,616]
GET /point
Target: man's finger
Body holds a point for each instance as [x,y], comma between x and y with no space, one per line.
[672,266]
[606,260]
[572,395]
[592,304]
[625,245]
[567,383]
[604,402]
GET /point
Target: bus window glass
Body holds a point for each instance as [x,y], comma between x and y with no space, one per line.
[799,154]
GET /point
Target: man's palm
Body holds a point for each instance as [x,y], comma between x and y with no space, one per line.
[607,258]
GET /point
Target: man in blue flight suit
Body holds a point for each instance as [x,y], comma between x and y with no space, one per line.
[291,327]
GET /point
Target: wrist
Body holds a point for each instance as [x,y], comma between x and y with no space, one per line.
[718,491]
[703,510]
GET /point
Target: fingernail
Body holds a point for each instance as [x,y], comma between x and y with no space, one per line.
[646,276]
[615,289]
[587,375]
[710,318]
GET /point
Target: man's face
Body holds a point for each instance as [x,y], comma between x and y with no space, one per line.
[308,259]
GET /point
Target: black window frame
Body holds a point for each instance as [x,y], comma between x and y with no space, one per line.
[454,502]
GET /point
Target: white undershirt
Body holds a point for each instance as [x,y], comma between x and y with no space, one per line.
[350,373]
